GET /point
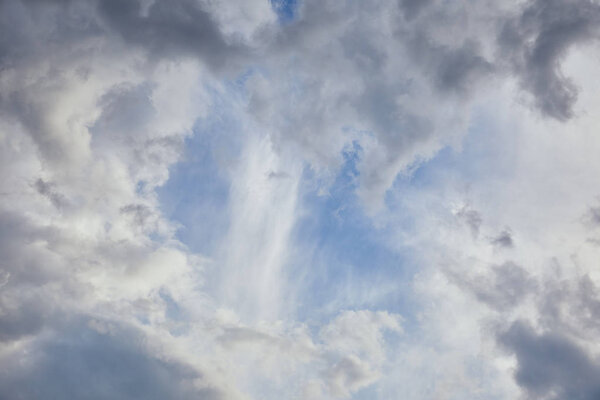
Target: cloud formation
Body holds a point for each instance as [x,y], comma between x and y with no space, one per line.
[355,166]
[538,39]
[551,366]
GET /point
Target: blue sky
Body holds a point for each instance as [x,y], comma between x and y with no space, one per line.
[285,9]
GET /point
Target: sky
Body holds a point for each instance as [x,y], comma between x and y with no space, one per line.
[299,199]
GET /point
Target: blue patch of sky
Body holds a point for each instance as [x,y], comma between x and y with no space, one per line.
[197,192]
[175,314]
[285,9]
[194,195]
[348,253]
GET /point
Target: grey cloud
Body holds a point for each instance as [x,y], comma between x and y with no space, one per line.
[553,362]
[591,220]
[139,212]
[234,335]
[22,23]
[85,364]
[390,84]
[330,74]
[594,215]
[460,69]
[349,73]
[504,239]
[26,303]
[127,126]
[412,8]
[67,91]
[588,304]
[17,107]
[535,42]
[278,175]
[456,70]
[348,375]
[126,112]
[48,48]
[22,315]
[550,365]
[21,258]
[472,218]
[46,189]
[4,277]
[503,287]
[572,306]
[171,29]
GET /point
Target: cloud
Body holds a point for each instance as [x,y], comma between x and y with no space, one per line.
[536,41]
[471,217]
[550,365]
[411,8]
[502,287]
[403,103]
[84,363]
[46,189]
[356,340]
[172,30]
[504,239]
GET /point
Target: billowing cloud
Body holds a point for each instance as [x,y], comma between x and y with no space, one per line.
[379,213]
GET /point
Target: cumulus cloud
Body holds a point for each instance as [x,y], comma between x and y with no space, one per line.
[101,102]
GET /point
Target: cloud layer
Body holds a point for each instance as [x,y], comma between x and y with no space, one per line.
[311,199]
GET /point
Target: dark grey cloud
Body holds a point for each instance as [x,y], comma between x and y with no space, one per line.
[457,69]
[22,315]
[31,28]
[171,28]
[551,366]
[535,42]
[553,361]
[83,363]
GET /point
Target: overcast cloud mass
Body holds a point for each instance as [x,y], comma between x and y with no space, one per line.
[299,199]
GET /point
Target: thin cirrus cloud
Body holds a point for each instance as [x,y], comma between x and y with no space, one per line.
[298,199]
